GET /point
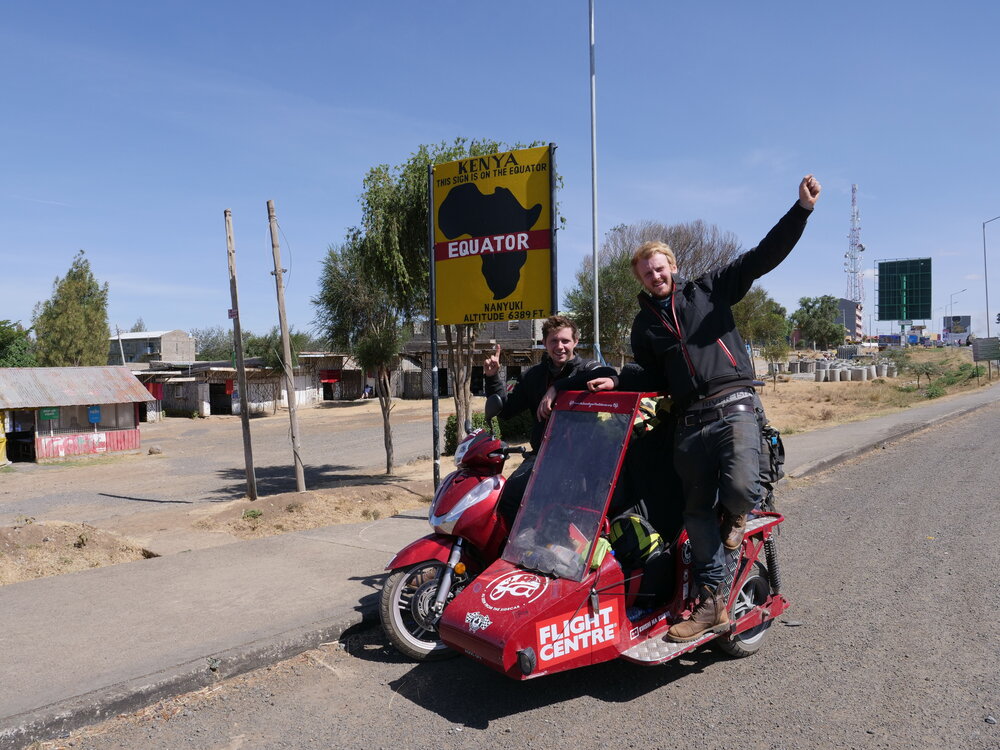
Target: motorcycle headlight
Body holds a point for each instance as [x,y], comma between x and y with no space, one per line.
[438,494]
[445,523]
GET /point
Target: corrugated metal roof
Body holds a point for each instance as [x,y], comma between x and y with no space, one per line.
[129,335]
[35,387]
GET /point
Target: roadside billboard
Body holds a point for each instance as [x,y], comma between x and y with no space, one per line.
[494,239]
[956,328]
[904,289]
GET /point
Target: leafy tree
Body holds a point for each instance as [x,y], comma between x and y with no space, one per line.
[71,328]
[360,315]
[924,369]
[759,318]
[139,326]
[214,343]
[393,244]
[618,289]
[774,352]
[269,347]
[698,247]
[899,357]
[16,346]
[816,320]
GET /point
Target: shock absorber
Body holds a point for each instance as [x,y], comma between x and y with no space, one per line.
[445,581]
[771,555]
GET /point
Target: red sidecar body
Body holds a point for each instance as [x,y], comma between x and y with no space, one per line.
[560,598]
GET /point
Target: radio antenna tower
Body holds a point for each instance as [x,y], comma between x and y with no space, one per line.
[852,262]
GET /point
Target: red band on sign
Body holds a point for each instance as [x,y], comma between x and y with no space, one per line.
[512,242]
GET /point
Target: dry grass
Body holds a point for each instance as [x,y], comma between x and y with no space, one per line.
[799,404]
[279,514]
[34,550]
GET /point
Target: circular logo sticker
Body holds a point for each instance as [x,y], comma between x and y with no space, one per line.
[513,590]
[686,552]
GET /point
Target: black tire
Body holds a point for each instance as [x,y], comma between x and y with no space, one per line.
[754,591]
[404,609]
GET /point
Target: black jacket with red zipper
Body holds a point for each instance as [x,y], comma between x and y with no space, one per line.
[687,344]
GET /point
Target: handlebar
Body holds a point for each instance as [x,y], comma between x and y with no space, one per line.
[506,450]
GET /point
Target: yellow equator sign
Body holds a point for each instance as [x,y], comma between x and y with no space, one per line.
[493,238]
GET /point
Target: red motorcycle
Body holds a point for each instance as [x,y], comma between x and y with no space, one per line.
[561,595]
[468,535]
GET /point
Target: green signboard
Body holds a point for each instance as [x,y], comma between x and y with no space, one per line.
[48,412]
[904,289]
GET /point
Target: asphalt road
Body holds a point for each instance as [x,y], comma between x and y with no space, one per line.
[202,462]
[890,564]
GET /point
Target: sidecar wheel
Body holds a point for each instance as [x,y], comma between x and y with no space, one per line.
[404,609]
[755,591]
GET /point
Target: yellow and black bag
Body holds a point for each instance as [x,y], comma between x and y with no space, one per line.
[634,541]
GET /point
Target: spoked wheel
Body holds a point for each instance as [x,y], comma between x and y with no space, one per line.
[754,592]
[406,611]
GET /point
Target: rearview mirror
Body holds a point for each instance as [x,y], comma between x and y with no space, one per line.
[494,405]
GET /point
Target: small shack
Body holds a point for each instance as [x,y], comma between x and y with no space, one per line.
[54,413]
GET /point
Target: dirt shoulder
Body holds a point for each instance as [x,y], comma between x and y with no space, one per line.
[31,549]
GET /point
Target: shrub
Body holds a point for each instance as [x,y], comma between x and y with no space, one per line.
[517,427]
[949,378]
[182,413]
[898,357]
[451,431]
[934,390]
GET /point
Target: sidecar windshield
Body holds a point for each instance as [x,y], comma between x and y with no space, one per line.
[563,508]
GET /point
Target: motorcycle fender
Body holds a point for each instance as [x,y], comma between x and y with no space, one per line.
[431,547]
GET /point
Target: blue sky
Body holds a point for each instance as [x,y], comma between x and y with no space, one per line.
[130,127]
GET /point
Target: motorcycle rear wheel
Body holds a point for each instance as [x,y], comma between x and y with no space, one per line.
[405,608]
[754,591]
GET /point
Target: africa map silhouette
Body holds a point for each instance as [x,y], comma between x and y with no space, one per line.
[466,210]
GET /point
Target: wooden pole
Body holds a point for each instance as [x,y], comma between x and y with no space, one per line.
[241,373]
[286,347]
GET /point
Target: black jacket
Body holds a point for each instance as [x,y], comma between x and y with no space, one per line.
[535,381]
[687,344]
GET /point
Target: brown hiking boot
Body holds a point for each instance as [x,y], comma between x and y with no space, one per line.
[709,616]
[731,529]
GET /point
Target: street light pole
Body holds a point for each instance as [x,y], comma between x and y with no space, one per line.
[951,307]
[986,276]
[593,186]
[951,310]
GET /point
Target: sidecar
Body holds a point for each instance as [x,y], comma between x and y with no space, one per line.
[560,597]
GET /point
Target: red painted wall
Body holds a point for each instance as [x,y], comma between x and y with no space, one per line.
[61,446]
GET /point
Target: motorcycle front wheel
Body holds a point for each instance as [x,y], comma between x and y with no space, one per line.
[754,591]
[405,609]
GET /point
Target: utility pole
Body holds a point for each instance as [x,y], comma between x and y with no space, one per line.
[286,360]
[121,349]
[241,373]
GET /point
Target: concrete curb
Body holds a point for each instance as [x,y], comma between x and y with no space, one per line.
[60,718]
[815,467]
